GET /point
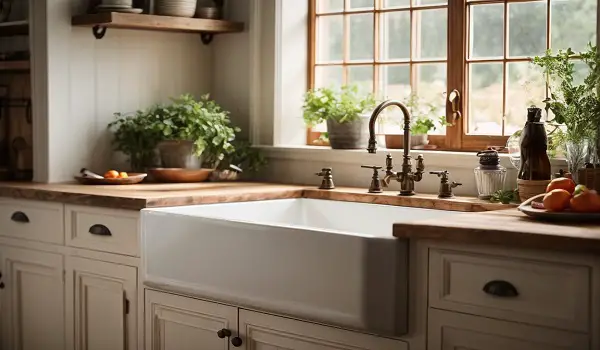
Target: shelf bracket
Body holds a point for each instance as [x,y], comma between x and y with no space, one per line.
[206,38]
[99,31]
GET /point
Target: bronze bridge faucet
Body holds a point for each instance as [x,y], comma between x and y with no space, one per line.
[406,177]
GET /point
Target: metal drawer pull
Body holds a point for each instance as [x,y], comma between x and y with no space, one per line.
[100,230]
[500,288]
[236,342]
[19,216]
[224,333]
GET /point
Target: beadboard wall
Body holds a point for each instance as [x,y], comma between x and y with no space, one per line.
[88,80]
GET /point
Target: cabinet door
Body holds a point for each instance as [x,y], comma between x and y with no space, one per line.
[266,332]
[32,299]
[178,323]
[101,305]
[453,331]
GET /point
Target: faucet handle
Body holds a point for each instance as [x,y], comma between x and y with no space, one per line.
[420,163]
[375,186]
[443,174]
[327,183]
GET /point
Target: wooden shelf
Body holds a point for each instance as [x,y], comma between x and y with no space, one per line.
[14,28]
[14,65]
[100,21]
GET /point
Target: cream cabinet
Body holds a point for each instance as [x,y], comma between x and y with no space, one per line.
[454,331]
[261,331]
[33,296]
[179,323]
[102,304]
[175,322]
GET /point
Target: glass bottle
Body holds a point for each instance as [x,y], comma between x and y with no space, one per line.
[535,164]
[489,175]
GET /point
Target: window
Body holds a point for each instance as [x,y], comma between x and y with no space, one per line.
[481,48]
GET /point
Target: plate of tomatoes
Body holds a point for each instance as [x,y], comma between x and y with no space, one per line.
[111,177]
[564,201]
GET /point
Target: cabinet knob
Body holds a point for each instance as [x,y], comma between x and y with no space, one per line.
[236,341]
[500,288]
[1,285]
[19,216]
[100,230]
[224,333]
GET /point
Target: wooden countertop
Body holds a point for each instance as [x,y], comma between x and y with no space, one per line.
[507,228]
[141,196]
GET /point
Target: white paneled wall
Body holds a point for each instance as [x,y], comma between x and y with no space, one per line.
[88,80]
[123,72]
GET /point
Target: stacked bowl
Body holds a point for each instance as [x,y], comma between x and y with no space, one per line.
[175,8]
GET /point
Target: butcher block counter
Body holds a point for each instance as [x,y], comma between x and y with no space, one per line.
[475,221]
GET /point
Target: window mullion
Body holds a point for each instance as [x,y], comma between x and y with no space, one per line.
[457,24]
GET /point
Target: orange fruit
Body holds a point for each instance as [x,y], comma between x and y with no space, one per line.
[123,175]
[111,174]
[557,200]
[586,202]
[563,183]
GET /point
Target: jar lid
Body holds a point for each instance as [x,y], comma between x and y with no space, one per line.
[489,159]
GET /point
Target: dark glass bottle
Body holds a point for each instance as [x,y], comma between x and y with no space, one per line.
[535,164]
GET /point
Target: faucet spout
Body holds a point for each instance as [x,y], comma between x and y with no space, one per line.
[372,148]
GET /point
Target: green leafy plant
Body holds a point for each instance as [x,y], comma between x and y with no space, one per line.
[425,115]
[505,196]
[344,105]
[201,121]
[575,105]
[245,157]
[136,136]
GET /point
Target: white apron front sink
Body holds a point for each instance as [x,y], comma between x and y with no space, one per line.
[332,262]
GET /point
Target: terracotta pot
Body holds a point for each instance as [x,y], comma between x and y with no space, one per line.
[397,141]
[351,135]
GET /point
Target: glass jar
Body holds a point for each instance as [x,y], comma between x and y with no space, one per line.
[489,175]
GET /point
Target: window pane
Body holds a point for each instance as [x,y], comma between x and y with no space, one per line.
[361,37]
[395,82]
[485,99]
[329,76]
[395,34]
[396,3]
[431,86]
[430,2]
[487,31]
[362,76]
[330,37]
[356,4]
[575,33]
[527,28]
[330,6]
[524,87]
[433,26]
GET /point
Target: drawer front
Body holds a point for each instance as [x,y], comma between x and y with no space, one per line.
[534,292]
[113,231]
[32,220]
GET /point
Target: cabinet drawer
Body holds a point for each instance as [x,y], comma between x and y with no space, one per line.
[515,289]
[450,330]
[32,220]
[113,231]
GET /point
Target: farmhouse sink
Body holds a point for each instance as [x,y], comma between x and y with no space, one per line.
[332,262]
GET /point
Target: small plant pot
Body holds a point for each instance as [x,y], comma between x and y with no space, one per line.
[397,141]
[351,135]
[178,154]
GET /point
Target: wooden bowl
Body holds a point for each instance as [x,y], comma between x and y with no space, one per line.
[180,174]
[563,216]
[133,178]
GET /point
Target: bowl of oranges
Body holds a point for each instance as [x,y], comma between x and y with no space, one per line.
[564,200]
[111,177]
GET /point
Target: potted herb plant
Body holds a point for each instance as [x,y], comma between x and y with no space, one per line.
[425,118]
[245,159]
[344,112]
[188,133]
[575,106]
